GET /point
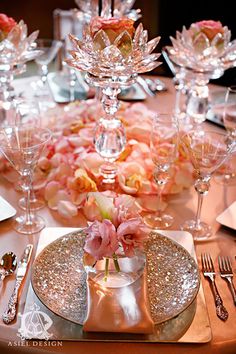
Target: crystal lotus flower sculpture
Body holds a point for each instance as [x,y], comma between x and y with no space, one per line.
[90,8]
[124,57]
[205,46]
[17,48]
[205,51]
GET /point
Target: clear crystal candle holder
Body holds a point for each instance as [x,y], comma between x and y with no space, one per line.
[112,61]
[15,50]
[206,54]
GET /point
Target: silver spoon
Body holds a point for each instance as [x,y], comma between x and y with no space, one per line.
[8,265]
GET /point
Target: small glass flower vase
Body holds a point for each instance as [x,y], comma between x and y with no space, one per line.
[117,271]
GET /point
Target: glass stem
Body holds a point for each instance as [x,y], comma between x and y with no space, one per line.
[110,100]
[199,209]
[72,79]
[27,188]
[44,73]
[161,177]
[202,186]
[159,196]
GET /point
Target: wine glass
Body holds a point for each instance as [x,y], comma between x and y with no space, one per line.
[28,113]
[18,112]
[22,147]
[229,118]
[49,48]
[164,149]
[207,150]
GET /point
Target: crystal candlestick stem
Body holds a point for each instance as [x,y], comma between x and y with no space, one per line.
[109,138]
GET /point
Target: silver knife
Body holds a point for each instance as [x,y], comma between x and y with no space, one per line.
[10,312]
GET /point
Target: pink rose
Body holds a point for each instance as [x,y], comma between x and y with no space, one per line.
[112,26]
[132,233]
[209,27]
[6,25]
[101,240]
[108,31]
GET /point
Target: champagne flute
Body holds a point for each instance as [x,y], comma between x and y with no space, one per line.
[164,149]
[22,147]
[207,150]
[28,113]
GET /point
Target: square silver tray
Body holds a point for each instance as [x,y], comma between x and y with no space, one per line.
[191,326]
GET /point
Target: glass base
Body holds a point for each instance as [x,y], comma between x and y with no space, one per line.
[35,203]
[130,269]
[158,221]
[22,226]
[200,232]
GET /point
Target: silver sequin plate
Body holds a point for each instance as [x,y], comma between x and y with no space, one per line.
[59,279]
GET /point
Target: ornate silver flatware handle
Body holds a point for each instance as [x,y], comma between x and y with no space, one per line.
[10,312]
[221,311]
[232,288]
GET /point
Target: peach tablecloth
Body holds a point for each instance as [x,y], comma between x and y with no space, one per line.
[183,206]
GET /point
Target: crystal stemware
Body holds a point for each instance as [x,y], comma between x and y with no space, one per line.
[207,150]
[28,113]
[228,174]
[164,147]
[49,49]
[22,147]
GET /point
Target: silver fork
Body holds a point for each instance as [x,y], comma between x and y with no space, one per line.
[227,273]
[209,272]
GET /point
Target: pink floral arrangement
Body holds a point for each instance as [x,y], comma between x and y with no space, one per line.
[120,232]
[118,32]
[210,28]
[6,25]
[70,168]
[208,34]
[112,26]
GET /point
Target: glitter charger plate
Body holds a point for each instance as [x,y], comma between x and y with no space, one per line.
[59,278]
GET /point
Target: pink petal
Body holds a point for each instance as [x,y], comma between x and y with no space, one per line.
[67,209]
